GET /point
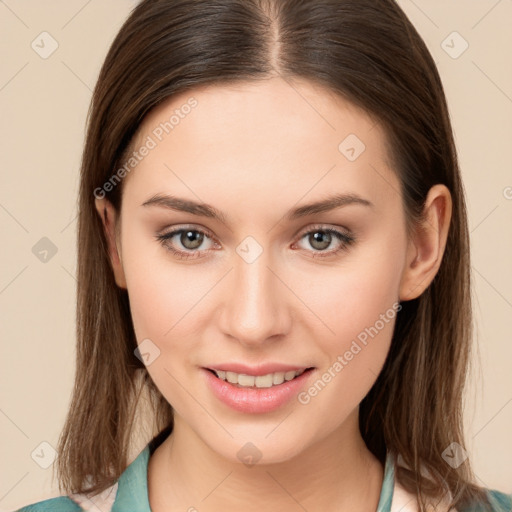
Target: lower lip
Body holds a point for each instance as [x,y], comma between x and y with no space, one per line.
[255,400]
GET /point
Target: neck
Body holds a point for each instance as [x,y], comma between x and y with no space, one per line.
[337,473]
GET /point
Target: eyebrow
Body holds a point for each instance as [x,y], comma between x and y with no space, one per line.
[206,210]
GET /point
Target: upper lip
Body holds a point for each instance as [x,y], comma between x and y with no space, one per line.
[262,369]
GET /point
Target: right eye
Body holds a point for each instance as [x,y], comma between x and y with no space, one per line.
[188,238]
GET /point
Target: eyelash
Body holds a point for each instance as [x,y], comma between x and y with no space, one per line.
[345,239]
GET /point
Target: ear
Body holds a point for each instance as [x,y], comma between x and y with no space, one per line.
[427,244]
[108,215]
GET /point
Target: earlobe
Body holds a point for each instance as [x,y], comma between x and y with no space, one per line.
[108,216]
[426,247]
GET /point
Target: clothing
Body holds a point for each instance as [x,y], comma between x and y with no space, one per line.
[130,493]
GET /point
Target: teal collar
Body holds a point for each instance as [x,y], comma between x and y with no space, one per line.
[132,491]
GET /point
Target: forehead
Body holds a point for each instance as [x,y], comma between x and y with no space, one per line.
[301,106]
[270,135]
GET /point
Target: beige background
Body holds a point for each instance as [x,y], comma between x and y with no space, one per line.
[44,104]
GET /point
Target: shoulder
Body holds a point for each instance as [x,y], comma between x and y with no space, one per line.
[59,504]
[76,502]
[130,492]
[404,501]
[500,502]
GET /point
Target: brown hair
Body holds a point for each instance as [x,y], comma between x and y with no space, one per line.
[368,52]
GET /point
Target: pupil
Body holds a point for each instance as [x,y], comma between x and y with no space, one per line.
[191,236]
[323,238]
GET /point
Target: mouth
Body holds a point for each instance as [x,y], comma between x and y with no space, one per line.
[269,380]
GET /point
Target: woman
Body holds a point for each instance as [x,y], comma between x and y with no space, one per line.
[272,235]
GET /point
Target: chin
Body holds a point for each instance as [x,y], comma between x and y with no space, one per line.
[259,448]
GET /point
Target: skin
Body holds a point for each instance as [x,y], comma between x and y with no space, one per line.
[255,151]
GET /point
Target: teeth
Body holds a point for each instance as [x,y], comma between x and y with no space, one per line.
[278,378]
[232,377]
[261,381]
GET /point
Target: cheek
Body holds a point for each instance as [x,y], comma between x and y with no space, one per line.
[164,304]
[354,296]
[359,304]
[163,295]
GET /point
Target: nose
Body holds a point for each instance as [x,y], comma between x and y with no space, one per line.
[256,305]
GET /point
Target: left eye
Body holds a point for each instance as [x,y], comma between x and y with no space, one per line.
[319,238]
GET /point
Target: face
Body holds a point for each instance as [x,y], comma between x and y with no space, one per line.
[264,286]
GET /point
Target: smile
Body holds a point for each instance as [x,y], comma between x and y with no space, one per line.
[261,381]
[256,393]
